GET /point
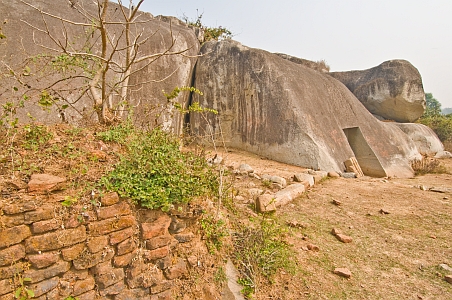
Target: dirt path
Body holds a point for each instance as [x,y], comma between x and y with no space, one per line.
[401,234]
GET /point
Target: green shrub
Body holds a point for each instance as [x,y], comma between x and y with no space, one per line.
[261,251]
[214,231]
[210,33]
[154,172]
[36,136]
[440,124]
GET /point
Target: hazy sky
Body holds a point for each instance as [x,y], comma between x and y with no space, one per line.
[348,34]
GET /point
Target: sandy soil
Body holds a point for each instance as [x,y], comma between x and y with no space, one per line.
[401,232]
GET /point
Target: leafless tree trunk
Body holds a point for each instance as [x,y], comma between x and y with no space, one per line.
[107,73]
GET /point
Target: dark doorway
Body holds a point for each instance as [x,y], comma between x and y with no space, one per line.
[365,156]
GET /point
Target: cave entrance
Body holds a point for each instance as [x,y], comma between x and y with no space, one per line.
[368,161]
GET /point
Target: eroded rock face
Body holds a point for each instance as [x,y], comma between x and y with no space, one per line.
[146,84]
[293,114]
[392,90]
[426,140]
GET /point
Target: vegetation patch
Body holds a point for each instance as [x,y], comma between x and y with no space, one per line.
[428,166]
[154,172]
[260,250]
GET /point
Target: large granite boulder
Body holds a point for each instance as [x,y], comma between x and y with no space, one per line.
[293,114]
[146,82]
[393,90]
[426,140]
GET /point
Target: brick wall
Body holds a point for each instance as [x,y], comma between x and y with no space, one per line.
[113,252]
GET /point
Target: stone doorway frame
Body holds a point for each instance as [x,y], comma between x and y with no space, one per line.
[366,157]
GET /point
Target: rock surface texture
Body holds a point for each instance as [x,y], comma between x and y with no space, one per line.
[290,113]
[424,137]
[162,34]
[392,90]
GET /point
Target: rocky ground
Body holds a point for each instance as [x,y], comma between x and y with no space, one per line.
[365,238]
[396,240]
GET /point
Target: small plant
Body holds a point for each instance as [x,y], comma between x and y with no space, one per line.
[210,33]
[36,136]
[220,277]
[68,201]
[22,292]
[267,183]
[261,251]
[214,231]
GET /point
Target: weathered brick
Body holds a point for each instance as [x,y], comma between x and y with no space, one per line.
[119,209]
[73,252]
[162,286]
[91,295]
[166,295]
[110,278]
[44,183]
[113,289]
[83,286]
[158,242]
[53,294]
[126,247]
[13,235]
[156,228]
[65,289]
[140,275]
[54,270]
[43,213]
[184,237]
[73,222]
[11,221]
[119,236]
[45,286]
[8,272]
[14,208]
[44,226]
[96,244]
[177,225]
[55,240]
[109,199]
[101,268]
[156,253]
[11,254]
[73,275]
[121,261]
[177,271]
[163,263]
[5,287]
[88,260]
[43,260]
[110,225]
[133,294]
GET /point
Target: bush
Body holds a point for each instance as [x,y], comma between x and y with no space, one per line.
[440,124]
[427,166]
[154,172]
[210,33]
[261,252]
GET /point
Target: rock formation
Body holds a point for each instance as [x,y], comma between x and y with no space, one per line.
[393,90]
[146,85]
[425,139]
[293,114]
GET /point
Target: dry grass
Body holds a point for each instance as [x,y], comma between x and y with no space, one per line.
[428,166]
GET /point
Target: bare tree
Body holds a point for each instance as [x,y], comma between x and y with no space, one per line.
[104,74]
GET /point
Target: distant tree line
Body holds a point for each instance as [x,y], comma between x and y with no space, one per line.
[436,120]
